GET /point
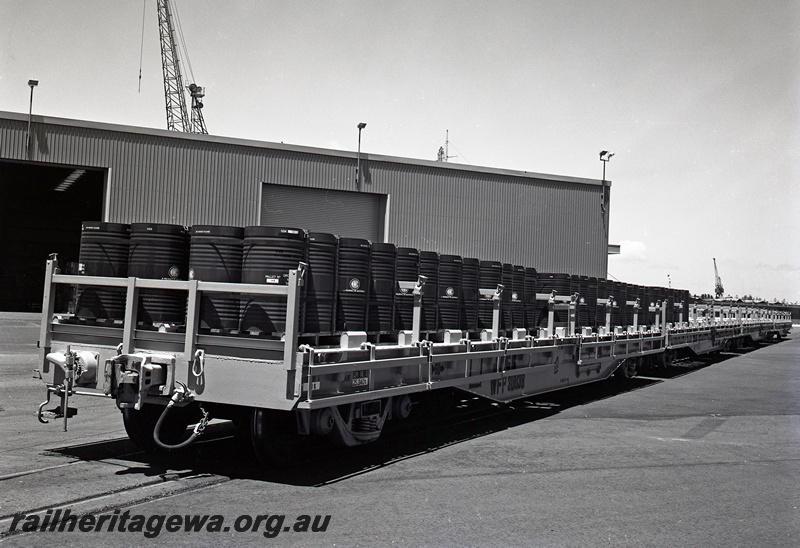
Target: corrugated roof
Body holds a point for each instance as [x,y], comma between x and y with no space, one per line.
[232,141]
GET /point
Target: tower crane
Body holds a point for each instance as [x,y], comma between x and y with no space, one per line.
[178,118]
[719,291]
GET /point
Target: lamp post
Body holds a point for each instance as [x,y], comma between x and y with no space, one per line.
[361,126]
[32,84]
[605,157]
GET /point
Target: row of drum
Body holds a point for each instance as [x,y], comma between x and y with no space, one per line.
[351,284]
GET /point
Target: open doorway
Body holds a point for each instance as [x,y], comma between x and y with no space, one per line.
[42,207]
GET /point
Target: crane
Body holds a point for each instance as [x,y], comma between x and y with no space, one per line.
[178,118]
[719,291]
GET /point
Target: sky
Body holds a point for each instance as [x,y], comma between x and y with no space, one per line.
[699,101]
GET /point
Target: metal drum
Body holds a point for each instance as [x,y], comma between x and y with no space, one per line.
[429,267]
[320,283]
[507,279]
[672,313]
[407,268]
[215,255]
[159,252]
[383,266]
[548,282]
[668,299]
[470,283]
[582,319]
[104,252]
[518,297]
[619,291]
[353,281]
[450,281]
[602,294]
[641,293]
[268,255]
[647,317]
[656,298]
[531,286]
[491,274]
[591,303]
[631,293]
[684,297]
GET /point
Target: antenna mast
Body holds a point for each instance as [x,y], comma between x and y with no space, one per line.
[446,156]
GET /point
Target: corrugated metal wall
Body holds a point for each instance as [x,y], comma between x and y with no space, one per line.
[157,176]
[348,214]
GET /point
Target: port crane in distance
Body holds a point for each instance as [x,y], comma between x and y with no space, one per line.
[719,291]
[178,117]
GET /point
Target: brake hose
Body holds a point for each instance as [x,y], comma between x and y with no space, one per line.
[198,429]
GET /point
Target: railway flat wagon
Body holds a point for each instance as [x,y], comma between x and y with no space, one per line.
[282,388]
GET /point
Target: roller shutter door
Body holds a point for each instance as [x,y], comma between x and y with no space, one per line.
[348,214]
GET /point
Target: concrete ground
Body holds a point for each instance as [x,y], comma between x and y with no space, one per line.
[708,456]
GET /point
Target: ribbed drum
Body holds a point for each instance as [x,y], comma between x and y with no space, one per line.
[654,300]
[268,255]
[631,293]
[575,287]
[470,283]
[548,282]
[320,283]
[674,299]
[684,297]
[584,305]
[215,255]
[104,252]
[353,281]
[429,267]
[518,297]
[591,302]
[620,294]
[651,296]
[491,274]
[407,271]
[531,287]
[641,294]
[507,315]
[668,299]
[602,294]
[383,266]
[450,281]
[159,252]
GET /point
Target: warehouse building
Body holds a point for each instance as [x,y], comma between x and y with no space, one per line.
[68,171]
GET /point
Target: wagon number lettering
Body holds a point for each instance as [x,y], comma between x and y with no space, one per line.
[361,378]
[511,383]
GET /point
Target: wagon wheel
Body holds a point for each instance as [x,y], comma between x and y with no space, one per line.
[627,369]
[274,437]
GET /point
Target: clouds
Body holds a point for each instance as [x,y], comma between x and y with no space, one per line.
[632,251]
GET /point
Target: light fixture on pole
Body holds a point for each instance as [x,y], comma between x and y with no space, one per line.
[32,84]
[361,126]
[605,157]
